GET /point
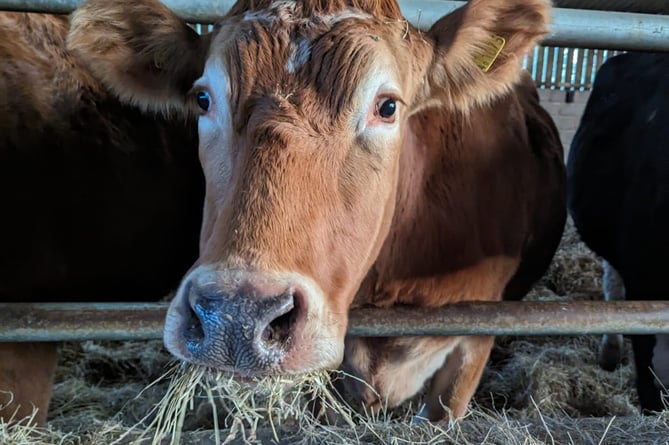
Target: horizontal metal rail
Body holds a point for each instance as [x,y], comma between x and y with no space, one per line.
[21,322]
[646,6]
[570,28]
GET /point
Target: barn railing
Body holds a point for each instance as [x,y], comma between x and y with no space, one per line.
[134,321]
[570,27]
[561,68]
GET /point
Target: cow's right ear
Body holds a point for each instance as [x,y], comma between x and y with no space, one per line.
[140,50]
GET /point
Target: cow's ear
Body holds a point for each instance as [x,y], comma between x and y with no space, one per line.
[140,50]
[480,47]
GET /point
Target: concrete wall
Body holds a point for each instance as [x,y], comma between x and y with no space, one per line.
[566,115]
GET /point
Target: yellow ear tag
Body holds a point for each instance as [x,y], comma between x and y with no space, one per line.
[489,52]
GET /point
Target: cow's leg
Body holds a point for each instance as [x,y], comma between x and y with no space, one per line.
[26,379]
[612,347]
[453,385]
[646,382]
[661,360]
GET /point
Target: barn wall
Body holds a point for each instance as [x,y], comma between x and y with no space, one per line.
[566,115]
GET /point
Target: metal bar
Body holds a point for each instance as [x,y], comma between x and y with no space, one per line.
[590,70]
[516,318]
[560,72]
[645,6]
[620,30]
[571,27]
[133,321]
[550,67]
[540,78]
[194,11]
[81,321]
[570,82]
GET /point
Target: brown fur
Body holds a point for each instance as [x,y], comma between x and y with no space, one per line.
[98,200]
[376,8]
[467,203]
[144,50]
[29,44]
[26,377]
[453,385]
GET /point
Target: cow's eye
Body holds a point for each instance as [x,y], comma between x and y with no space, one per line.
[203,100]
[386,109]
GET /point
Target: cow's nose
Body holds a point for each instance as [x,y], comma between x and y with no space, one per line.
[242,330]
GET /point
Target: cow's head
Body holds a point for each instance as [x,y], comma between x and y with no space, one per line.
[304,108]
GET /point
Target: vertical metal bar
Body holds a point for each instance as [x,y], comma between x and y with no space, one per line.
[535,59]
[582,54]
[560,71]
[590,71]
[541,68]
[571,54]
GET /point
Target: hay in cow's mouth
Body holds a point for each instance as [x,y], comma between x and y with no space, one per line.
[302,403]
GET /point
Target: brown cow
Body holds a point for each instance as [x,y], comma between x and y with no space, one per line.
[99,200]
[350,160]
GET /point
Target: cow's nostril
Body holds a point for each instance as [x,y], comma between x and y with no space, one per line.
[194,332]
[278,332]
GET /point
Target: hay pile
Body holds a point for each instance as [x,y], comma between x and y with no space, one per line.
[534,391]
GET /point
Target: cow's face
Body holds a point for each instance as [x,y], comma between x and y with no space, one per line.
[302,111]
[301,123]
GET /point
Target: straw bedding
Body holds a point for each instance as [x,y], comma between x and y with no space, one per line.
[536,390]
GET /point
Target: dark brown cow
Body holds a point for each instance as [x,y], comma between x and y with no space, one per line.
[98,200]
[350,160]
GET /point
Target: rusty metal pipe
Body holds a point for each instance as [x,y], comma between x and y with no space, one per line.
[516,318]
[81,321]
[134,321]
[570,27]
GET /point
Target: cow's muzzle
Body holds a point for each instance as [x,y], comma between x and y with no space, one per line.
[237,321]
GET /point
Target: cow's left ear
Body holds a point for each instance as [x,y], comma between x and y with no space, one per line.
[479,49]
[140,50]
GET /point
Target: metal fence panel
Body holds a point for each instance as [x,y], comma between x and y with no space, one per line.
[566,68]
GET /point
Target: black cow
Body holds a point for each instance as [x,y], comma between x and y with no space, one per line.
[618,180]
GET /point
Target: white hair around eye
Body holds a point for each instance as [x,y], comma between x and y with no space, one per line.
[378,106]
[215,129]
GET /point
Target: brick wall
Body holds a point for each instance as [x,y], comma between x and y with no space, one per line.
[566,115]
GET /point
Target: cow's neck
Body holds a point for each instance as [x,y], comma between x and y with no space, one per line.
[441,240]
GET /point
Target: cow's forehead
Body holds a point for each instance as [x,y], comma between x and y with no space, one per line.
[281,51]
[289,12]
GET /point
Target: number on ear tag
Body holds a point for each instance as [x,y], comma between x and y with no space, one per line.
[489,52]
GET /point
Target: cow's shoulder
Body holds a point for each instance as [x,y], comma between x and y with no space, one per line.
[622,83]
[617,167]
[43,32]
